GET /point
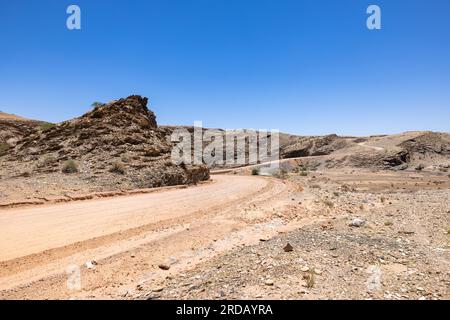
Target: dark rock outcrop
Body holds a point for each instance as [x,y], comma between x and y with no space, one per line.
[431,142]
[313,146]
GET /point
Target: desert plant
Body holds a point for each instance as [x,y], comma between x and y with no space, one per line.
[47,161]
[70,166]
[255,171]
[309,278]
[420,167]
[4,147]
[118,167]
[328,203]
[97,104]
[388,223]
[281,174]
[46,126]
[26,174]
[303,173]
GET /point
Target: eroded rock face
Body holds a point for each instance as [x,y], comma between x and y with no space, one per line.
[13,129]
[313,146]
[384,160]
[116,141]
[432,142]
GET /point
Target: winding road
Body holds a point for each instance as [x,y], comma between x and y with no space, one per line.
[38,243]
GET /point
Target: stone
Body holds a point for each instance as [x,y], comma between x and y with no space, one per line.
[164,266]
[288,248]
[269,282]
[357,222]
[158,289]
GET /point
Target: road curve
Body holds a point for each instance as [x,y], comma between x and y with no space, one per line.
[26,231]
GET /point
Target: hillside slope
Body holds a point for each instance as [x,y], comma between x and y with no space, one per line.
[115,146]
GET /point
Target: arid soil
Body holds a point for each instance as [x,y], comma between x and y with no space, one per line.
[401,250]
[225,240]
[127,238]
[94,208]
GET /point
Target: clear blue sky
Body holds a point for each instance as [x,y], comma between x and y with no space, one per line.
[305,67]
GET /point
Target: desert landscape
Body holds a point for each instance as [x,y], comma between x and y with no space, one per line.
[340,217]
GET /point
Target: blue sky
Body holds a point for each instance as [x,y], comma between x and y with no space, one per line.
[304,67]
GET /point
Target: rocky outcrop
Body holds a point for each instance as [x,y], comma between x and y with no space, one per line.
[431,142]
[313,146]
[383,160]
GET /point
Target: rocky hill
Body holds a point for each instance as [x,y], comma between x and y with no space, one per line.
[398,152]
[312,146]
[14,128]
[116,145]
[429,143]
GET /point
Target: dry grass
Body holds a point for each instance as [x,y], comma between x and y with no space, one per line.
[46,126]
[118,167]
[328,203]
[309,277]
[70,166]
[4,147]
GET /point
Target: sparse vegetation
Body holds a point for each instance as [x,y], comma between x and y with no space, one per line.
[309,277]
[316,186]
[47,161]
[388,223]
[336,194]
[26,174]
[303,173]
[97,104]
[383,199]
[328,203]
[420,167]
[70,166]
[46,126]
[4,147]
[118,167]
[255,171]
[281,174]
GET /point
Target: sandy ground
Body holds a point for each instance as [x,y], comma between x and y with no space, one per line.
[126,238]
[225,240]
[400,251]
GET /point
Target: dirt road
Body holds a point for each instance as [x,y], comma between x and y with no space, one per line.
[38,243]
